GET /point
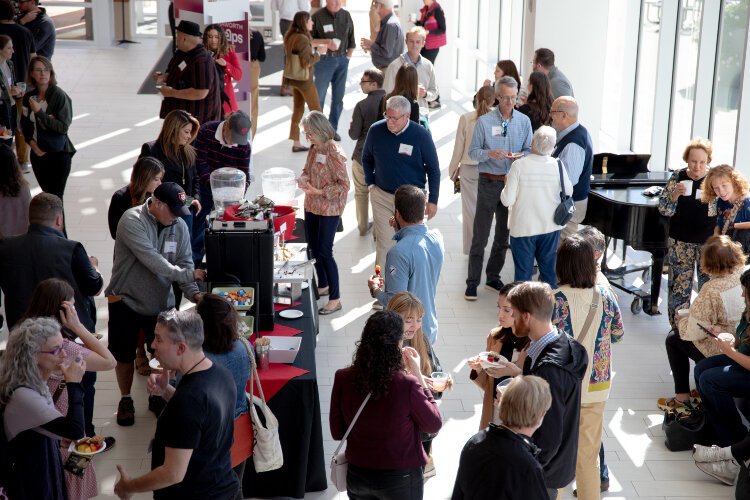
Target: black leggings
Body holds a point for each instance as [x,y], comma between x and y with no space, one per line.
[679,353]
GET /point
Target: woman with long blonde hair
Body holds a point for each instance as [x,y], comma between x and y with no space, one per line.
[464,169]
[411,310]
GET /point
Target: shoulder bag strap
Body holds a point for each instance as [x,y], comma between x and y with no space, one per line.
[253,370]
[590,318]
[562,184]
[346,434]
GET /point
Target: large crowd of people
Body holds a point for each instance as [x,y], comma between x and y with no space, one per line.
[546,373]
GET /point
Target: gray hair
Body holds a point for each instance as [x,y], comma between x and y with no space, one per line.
[399,103]
[543,141]
[594,237]
[19,366]
[506,81]
[318,125]
[183,326]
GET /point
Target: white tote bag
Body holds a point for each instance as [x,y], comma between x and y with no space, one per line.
[267,453]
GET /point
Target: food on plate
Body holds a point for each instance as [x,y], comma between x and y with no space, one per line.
[90,444]
[514,156]
[492,359]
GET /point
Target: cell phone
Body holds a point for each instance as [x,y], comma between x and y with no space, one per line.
[707,331]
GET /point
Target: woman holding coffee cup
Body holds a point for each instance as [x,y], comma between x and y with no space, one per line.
[8,91]
[689,226]
[411,310]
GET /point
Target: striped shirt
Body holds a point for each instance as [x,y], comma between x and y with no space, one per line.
[572,156]
[490,133]
[212,154]
[194,70]
[536,347]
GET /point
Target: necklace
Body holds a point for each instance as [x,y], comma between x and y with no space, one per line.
[193,368]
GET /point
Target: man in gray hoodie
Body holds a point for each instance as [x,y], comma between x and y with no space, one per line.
[152,250]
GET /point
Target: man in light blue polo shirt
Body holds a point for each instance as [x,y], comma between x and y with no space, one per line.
[414,263]
[500,136]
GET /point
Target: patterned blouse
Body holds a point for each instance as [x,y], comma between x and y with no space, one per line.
[571,308]
[325,169]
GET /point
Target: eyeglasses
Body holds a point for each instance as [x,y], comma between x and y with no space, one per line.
[506,98]
[54,351]
[392,118]
[40,70]
[504,124]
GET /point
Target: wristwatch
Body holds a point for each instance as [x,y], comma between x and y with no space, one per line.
[374,291]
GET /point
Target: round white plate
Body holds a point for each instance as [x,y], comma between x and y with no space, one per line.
[72,449]
[291,313]
[154,364]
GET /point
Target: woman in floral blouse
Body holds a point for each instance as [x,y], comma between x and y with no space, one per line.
[576,274]
[326,183]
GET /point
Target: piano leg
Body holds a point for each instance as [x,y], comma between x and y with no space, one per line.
[657,263]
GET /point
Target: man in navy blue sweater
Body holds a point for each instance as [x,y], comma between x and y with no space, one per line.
[405,154]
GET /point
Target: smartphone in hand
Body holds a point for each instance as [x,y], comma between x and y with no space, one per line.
[707,331]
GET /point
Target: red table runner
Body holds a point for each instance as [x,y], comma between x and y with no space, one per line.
[278,374]
[281,307]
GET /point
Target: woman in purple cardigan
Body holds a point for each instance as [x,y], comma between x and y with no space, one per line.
[384,449]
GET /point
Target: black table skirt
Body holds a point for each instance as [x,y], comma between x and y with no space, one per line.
[297,408]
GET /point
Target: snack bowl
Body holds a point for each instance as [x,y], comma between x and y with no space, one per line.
[240,297]
[73,448]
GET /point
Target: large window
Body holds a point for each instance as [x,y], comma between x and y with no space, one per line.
[72,19]
[648,49]
[684,79]
[728,79]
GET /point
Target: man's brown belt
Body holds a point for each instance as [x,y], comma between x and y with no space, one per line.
[493,177]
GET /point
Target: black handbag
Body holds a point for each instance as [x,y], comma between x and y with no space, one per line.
[564,211]
[684,429]
[742,236]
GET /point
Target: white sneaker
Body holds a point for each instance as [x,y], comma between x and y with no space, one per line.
[707,453]
[725,470]
[377,306]
[26,167]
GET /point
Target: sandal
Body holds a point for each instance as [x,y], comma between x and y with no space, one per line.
[667,404]
[141,366]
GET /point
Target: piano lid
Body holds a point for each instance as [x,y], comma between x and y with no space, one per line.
[632,195]
[645,179]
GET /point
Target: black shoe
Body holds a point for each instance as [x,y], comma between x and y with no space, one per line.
[125,412]
[434,105]
[471,292]
[299,149]
[156,405]
[337,137]
[604,486]
[110,442]
[494,285]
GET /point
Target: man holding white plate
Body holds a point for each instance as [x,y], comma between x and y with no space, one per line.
[499,138]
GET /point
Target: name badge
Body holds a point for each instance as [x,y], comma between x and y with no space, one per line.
[320,158]
[182,66]
[328,28]
[405,149]
[698,194]
[170,247]
[497,130]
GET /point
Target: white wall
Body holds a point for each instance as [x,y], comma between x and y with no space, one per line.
[576,31]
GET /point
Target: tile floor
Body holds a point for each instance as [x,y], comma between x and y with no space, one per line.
[110,124]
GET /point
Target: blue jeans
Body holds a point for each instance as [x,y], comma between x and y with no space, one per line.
[719,380]
[541,246]
[332,70]
[384,484]
[319,232]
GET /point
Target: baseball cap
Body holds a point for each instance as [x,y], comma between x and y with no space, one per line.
[388,4]
[239,126]
[189,28]
[174,196]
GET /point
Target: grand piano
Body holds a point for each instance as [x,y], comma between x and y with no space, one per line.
[620,210]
